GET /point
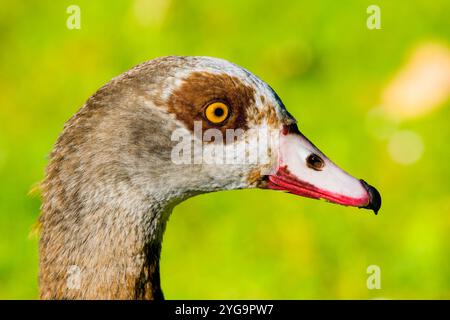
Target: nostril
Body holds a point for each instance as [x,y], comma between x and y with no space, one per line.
[315,162]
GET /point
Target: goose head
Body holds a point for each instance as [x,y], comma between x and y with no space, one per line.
[164,131]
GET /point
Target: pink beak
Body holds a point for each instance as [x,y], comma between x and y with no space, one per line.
[305,171]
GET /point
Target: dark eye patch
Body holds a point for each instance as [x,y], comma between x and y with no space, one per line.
[199,89]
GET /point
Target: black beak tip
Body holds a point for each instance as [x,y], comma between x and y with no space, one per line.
[374,196]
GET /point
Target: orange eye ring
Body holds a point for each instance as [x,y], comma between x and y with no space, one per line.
[217,112]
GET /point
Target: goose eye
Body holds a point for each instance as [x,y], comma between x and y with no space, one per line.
[216,112]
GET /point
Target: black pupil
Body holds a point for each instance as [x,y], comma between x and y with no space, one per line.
[218,112]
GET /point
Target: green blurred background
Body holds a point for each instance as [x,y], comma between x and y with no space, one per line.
[341,80]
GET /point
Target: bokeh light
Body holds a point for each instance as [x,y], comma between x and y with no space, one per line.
[422,85]
[405,147]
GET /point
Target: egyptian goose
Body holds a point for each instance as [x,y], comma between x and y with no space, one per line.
[112,178]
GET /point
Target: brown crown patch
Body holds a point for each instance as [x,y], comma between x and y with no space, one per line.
[199,89]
